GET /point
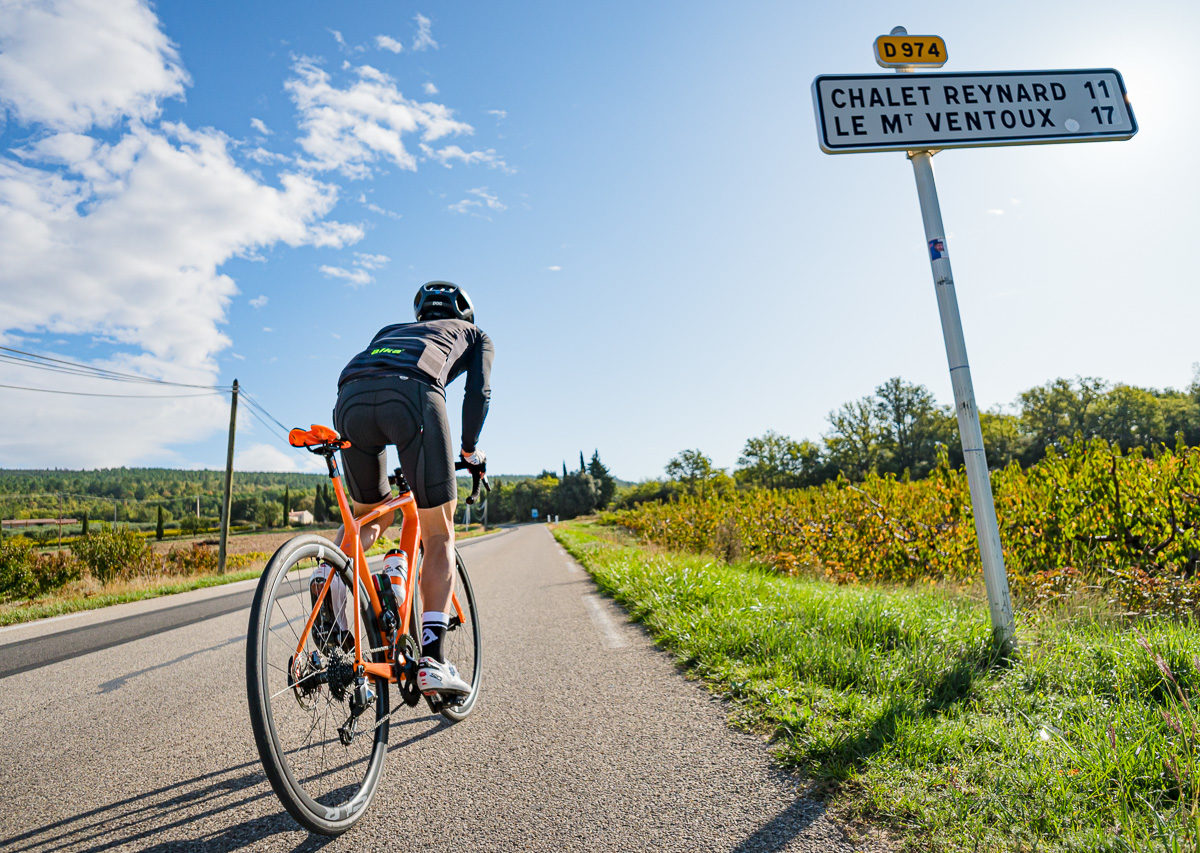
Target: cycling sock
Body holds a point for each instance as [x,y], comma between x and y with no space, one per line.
[433,629]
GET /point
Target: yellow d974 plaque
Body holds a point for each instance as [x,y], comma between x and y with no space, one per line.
[900,51]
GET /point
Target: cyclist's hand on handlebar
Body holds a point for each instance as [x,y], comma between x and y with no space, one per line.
[476,463]
[476,458]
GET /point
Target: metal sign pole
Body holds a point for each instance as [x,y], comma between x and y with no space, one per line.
[986,528]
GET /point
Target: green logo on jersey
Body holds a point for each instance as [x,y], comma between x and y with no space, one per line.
[387,350]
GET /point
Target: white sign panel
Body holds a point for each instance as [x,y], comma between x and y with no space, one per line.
[906,112]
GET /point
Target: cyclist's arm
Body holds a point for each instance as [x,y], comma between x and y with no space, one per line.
[478,393]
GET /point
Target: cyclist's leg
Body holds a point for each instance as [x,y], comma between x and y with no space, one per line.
[435,489]
[437,576]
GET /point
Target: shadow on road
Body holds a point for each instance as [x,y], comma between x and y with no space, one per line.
[779,830]
[217,811]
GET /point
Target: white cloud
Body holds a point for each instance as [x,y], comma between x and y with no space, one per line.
[259,301]
[268,457]
[555,268]
[268,329]
[120,238]
[355,277]
[361,268]
[351,129]
[388,43]
[483,198]
[374,208]
[500,115]
[370,262]
[337,36]
[260,126]
[131,248]
[424,36]
[996,211]
[262,155]
[430,89]
[449,153]
[73,64]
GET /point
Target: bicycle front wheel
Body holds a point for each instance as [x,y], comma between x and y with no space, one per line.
[322,736]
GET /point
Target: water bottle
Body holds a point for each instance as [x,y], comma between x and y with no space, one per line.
[392,582]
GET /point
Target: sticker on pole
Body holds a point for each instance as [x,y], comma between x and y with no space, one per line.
[911,112]
[903,51]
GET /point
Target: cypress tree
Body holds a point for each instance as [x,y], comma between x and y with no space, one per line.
[83,532]
[318,505]
[582,466]
[287,504]
[158,529]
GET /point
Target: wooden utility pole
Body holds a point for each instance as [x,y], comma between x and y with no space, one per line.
[225,500]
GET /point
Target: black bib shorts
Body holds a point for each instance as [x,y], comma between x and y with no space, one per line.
[375,411]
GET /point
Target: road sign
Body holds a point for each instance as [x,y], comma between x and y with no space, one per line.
[902,51]
[911,112]
[535,514]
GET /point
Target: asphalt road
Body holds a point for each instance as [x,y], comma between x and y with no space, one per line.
[128,729]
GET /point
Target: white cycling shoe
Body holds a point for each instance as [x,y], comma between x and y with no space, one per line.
[437,677]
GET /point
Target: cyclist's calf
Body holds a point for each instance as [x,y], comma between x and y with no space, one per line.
[437,571]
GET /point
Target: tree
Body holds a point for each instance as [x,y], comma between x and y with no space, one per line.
[268,514]
[576,494]
[158,528]
[774,461]
[527,495]
[287,504]
[908,422]
[1053,413]
[645,492]
[84,529]
[604,480]
[564,476]
[582,466]
[695,472]
[319,504]
[853,443]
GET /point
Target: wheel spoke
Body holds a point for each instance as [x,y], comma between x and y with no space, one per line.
[303,717]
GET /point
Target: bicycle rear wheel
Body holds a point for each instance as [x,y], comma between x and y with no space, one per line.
[463,645]
[321,738]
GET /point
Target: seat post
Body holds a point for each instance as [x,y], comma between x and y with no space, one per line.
[401,483]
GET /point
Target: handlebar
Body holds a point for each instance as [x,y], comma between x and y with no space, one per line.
[478,478]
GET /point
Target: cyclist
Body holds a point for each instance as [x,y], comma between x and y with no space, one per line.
[394,392]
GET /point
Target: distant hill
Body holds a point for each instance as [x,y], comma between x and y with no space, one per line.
[135,494]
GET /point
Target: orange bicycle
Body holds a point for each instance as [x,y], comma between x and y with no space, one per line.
[319,693]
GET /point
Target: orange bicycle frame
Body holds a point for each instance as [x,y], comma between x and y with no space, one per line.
[351,545]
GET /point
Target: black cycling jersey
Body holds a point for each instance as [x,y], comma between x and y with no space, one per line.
[436,352]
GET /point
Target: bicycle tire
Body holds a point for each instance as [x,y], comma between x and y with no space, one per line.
[463,645]
[333,795]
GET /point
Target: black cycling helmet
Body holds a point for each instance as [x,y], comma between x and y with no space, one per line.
[443,300]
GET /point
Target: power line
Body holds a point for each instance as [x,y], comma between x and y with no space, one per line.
[87,394]
[61,365]
[254,403]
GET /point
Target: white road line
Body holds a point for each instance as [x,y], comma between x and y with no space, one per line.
[612,635]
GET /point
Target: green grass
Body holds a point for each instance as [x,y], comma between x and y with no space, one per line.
[896,704]
[43,609]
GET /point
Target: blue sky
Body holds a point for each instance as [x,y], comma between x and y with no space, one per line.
[632,193]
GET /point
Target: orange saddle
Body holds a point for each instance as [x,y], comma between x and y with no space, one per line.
[317,435]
